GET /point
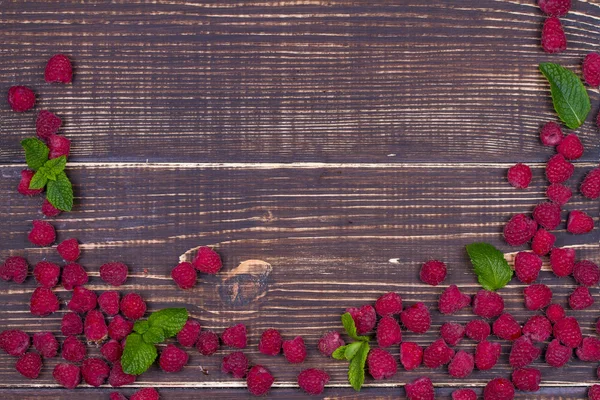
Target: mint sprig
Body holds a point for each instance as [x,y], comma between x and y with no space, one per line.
[140,346]
[355,352]
[490,266]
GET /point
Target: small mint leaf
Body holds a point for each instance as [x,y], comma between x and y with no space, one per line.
[55,166]
[138,355]
[141,326]
[490,266]
[38,181]
[356,370]
[339,353]
[350,328]
[36,152]
[154,335]
[60,192]
[170,320]
[351,350]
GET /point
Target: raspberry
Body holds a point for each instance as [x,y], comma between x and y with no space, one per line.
[42,234]
[112,351]
[487,304]
[73,349]
[437,354]
[557,355]
[537,296]
[73,275]
[184,275]
[519,176]
[14,269]
[133,306]
[555,312]
[519,230]
[589,350]
[461,365]
[46,344]
[83,300]
[49,210]
[590,187]
[562,261]
[173,359]
[477,330]
[581,298]
[46,274]
[207,260]
[59,69]
[452,300]
[570,147]
[416,318]
[14,342]
[547,215]
[270,342]
[119,327]
[554,39]
[23,188]
[381,364]
[594,392]
[527,379]
[559,194]
[567,330]
[208,343]
[259,380]
[29,365]
[586,273]
[506,327]
[558,169]
[499,389]
[364,318]
[551,134]
[452,333]
[47,124]
[542,242]
[145,394]
[119,378]
[235,363]
[235,336]
[487,354]
[527,266]
[389,304]
[313,381]
[294,350]
[328,343]
[69,250]
[388,332]
[109,302]
[579,222]
[59,146]
[464,394]
[94,371]
[67,375]
[71,324]
[114,273]
[94,327]
[433,272]
[420,389]
[591,69]
[43,302]
[411,355]
[555,8]
[21,98]
[538,328]
[188,335]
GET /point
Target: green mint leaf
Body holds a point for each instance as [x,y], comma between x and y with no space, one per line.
[55,166]
[340,353]
[351,350]
[492,270]
[138,355]
[141,326]
[571,100]
[38,181]
[350,328]
[60,192]
[154,335]
[170,320]
[36,152]
[356,370]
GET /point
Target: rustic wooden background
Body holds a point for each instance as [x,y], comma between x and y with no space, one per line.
[342,142]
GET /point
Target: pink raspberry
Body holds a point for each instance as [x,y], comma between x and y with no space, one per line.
[119,328]
[173,359]
[69,250]
[547,215]
[452,300]
[109,302]
[235,363]
[208,343]
[188,335]
[207,260]
[389,304]
[523,352]
[581,298]
[420,389]
[558,169]
[555,312]
[23,188]
[579,222]
[570,147]
[184,275]
[461,365]
[14,269]
[477,330]
[112,351]
[145,394]
[538,328]
[506,327]
[557,355]
[21,98]
[133,306]
[527,379]
[590,187]
[433,272]
[59,69]
[46,274]
[591,69]
[519,176]
[411,355]
[49,210]
[94,371]
[464,394]
[388,332]
[537,296]
[29,365]
[42,234]
[527,266]
[381,364]
[364,318]
[562,261]
[73,349]
[542,242]
[567,330]
[294,350]
[83,300]
[554,39]
[594,392]
[47,124]
[235,336]
[94,327]
[486,355]
[259,380]
[14,342]
[437,354]
[329,342]
[589,350]
[114,273]
[313,381]
[67,375]
[586,273]
[519,230]
[119,378]
[555,8]
[416,318]
[452,333]
[43,302]
[551,134]
[46,344]
[488,304]
[270,342]
[558,193]
[73,275]
[59,146]
[71,324]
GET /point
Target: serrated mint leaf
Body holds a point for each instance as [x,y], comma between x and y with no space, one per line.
[492,270]
[154,335]
[570,99]
[351,350]
[38,181]
[339,353]
[356,370]
[350,328]
[141,326]
[55,166]
[170,320]
[59,192]
[138,355]
[36,152]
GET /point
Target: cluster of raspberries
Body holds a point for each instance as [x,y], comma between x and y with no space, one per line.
[207,261]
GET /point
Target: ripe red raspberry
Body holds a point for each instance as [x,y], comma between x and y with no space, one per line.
[184,275]
[119,378]
[555,312]
[73,275]
[69,250]
[145,394]
[579,222]
[547,215]
[46,274]
[538,328]
[109,302]
[43,302]
[172,359]
[133,306]
[589,350]
[14,269]
[551,134]
[570,147]
[452,300]
[411,355]
[594,392]
[557,355]
[388,332]
[94,371]
[586,273]
[562,261]
[581,298]
[82,301]
[67,375]
[506,327]
[542,242]
[42,234]
[381,364]
[523,352]
[487,354]
[49,210]
[389,304]
[47,124]
[313,381]
[567,330]
[188,335]
[537,296]
[235,336]
[207,260]
[364,318]
[590,187]
[416,318]
[119,328]
[208,343]
[420,389]
[114,273]
[527,379]
[437,354]
[433,272]
[59,146]
[527,266]
[554,39]
[452,333]
[487,304]
[519,230]
[112,351]
[477,330]
[591,69]
[558,193]
[23,188]
[259,380]
[519,176]
[329,342]
[94,327]
[71,324]
[558,169]
[235,363]
[464,394]
[59,69]
[46,344]
[294,350]
[555,8]
[73,349]
[14,342]
[461,365]
[21,98]
[29,365]
[270,342]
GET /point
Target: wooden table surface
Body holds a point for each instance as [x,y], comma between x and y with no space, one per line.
[341,142]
